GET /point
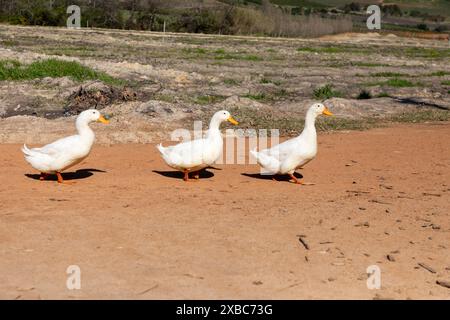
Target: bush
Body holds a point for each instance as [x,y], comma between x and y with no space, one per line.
[364,94]
[354,6]
[422,26]
[326,92]
[441,28]
[392,10]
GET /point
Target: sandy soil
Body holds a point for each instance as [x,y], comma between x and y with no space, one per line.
[138,233]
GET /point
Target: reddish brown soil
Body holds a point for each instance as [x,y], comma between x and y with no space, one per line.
[136,233]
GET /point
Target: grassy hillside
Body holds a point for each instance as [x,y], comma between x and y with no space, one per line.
[429,6]
[280,18]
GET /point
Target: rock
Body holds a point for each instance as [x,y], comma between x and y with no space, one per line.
[155,108]
[390,257]
[236,101]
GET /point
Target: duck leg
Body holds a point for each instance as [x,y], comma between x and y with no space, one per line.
[297,181]
[43,176]
[294,179]
[186,176]
[61,180]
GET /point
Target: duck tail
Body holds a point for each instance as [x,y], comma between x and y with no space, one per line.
[161,148]
[26,151]
[254,153]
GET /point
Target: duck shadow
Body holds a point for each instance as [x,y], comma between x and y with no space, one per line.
[204,174]
[278,177]
[77,175]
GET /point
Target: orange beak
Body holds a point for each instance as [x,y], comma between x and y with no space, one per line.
[102,120]
[327,112]
[231,120]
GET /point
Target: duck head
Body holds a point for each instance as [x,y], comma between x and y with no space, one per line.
[318,109]
[91,115]
[224,115]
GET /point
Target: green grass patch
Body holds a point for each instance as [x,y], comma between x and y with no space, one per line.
[326,92]
[233,56]
[399,83]
[417,52]
[446,83]
[396,83]
[439,74]
[368,64]
[231,82]
[165,97]
[208,99]
[14,70]
[322,49]
[279,94]
[256,96]
[194,50]
[267,81]
[70,51]
[387,74]
[383,95]
[429,115]
[9,43]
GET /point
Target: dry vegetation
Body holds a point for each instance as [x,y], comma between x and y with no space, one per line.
[152,83]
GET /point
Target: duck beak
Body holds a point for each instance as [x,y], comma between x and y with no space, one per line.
[231,120]
[102,120]
[327,112]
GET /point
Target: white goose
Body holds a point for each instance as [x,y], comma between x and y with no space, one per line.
[66,152]
[195,155]
[292,154]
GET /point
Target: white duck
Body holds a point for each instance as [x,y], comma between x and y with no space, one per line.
[292,154]
[66,152]
[195,155]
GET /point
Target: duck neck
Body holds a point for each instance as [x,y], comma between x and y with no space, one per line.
[84,131]
[214,128]
[310,125]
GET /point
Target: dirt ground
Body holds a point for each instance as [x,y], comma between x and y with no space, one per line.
[137,231]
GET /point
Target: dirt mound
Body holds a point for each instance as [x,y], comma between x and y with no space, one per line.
[96,95]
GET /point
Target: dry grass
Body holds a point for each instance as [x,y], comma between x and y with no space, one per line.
[275,22]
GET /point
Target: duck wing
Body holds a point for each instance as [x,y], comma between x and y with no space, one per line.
[269,163]
[54,156]
[283,150]
[184,155]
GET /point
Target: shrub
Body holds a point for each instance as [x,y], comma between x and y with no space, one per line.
[400,83]
[326,92]
[441,28]
[392,9]
[354,6]
[422,26]
[364,94]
